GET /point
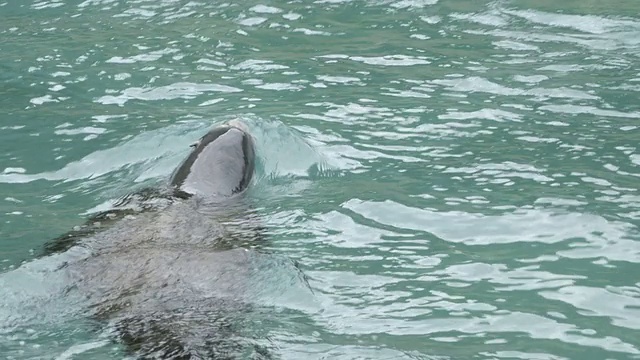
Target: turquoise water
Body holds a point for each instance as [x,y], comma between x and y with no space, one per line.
[457,179]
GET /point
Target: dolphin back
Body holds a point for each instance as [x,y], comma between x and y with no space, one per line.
[220,165]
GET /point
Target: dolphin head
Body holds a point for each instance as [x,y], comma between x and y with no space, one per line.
[221,163]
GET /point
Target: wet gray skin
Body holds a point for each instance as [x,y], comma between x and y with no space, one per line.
[175,281]
[220,165]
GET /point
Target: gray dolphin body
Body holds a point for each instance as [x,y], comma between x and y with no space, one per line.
[221,163]
[175,282]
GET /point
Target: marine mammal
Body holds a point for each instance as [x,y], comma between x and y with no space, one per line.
[221,163]
[174,279]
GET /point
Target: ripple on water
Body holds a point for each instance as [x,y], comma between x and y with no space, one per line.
[456,180]
[182,90]
[585,235]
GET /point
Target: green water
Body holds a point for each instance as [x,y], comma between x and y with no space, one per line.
[458,179]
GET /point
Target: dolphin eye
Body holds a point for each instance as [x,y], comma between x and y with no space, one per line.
[195,144]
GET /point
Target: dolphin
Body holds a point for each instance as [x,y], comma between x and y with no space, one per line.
[174,278]
[219,167]
[221,164]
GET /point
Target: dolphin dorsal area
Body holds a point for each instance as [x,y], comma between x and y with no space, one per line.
[220,165]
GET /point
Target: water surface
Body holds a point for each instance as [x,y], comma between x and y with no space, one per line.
[457,179]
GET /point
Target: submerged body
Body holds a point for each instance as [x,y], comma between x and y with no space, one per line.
[171,282]
[174,280]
